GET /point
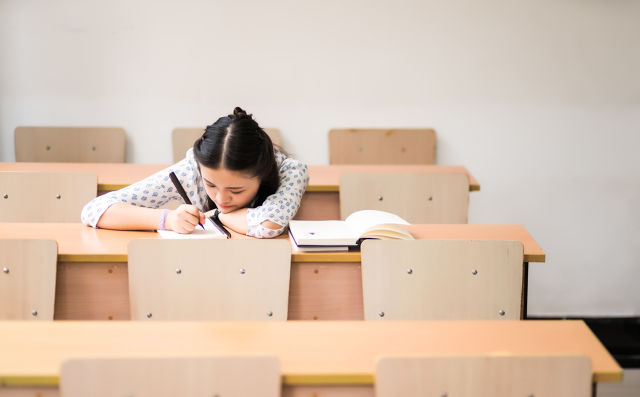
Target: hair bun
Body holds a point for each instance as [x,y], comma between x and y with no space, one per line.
[240,114]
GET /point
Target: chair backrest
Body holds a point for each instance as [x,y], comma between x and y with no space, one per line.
[442,279]
[208,279]
[382,146]
[28,279]
[183,138]
[180,376]
[70,144]
[499,376]
[418,198]
[39,196]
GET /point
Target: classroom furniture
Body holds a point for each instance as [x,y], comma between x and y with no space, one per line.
[171,376]
[183,138]
[70,144]
[415,197]
[43,196]
[484,375]
[320,202]
[382,146]
[243,279]
[92,281]
[327,358]
[28,278]
[442,280]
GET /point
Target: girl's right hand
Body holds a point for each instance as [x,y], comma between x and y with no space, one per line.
[184,219]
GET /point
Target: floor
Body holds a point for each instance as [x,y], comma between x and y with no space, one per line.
[629,387]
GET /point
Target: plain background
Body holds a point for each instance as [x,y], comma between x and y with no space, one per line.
[540,100]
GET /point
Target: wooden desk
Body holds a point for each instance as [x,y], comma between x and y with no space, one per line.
[328,358]
[321,201]
[92,278]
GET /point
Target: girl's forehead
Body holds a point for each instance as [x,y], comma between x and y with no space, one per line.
[225,177]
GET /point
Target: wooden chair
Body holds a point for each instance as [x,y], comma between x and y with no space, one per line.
[499,376]
[209,279]
[183,138]
[70,144]
[39,196]
[442,280]
[418,198]
[167,376]
[382,146]
[28,279]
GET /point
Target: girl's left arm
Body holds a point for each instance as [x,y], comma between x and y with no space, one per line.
[272,217]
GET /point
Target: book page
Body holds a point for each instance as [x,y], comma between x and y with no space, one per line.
[361,221]
[321,233]
[210,231]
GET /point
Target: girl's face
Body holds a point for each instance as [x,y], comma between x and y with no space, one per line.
[230,190]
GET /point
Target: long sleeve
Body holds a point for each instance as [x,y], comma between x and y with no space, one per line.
[281,206]
[155,191]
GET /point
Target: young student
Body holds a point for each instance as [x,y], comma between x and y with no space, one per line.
[233,167]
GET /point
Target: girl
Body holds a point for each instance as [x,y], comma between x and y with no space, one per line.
[233,167]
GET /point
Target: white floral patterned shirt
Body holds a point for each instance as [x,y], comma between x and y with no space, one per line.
[157,190]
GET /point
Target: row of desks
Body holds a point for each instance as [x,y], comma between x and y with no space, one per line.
[92,284]
[328,358]
[92,274]
[322,178]
[321,200]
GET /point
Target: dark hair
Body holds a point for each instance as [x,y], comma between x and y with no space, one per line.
[236,142]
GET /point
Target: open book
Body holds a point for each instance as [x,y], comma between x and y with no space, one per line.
[210,231]
[350,232]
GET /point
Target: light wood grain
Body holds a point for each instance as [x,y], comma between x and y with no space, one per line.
[322,178]
[308,351]
[44,196]
[442,280]
[382,146]
[70,144]
[417,198]
[209,279]
[171,376]
[79,243]
[28,279]
[485,375]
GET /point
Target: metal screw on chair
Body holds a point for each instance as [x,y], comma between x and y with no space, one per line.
[5,270]
[58,196]
[178,271]
[381,314]
[48,147]
[409,271]
[6,196]
[34,313]
[242,271]
[93,148]
[474,272]
[270,314]
[380,198]
[430,198]
[404,149]
[501,312]
[149,314]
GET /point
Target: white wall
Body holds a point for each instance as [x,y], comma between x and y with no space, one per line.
[540,100]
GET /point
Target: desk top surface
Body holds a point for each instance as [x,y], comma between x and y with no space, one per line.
[309,352]
[323,178]
[79,243]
